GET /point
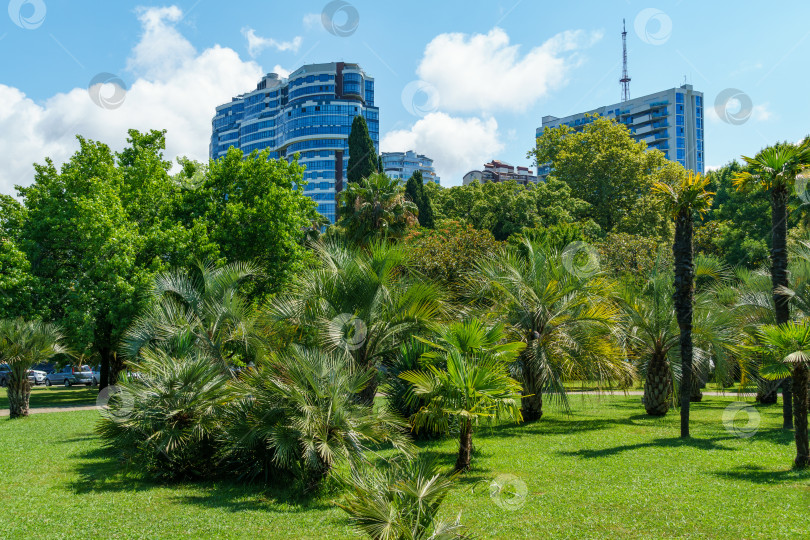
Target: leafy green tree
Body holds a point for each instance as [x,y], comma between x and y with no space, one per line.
[83,252]
[16,281]
[415,191]
[506,208]
[606,168]
[22,345]
[474,386]
[363,161]
[251,210]
[400,500]
[774,170]
[738,225]
[448,252]
[686,197]
[299,413]
[562,312]
[375,206]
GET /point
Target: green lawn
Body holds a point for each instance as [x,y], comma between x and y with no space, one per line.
[56,396]
[607,470]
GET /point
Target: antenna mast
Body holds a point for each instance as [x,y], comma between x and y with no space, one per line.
[625,80]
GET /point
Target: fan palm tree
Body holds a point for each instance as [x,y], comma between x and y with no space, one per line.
[789,345]
[400,501]
[775,170]
[687,198]
[360,301]
[567,320]
[376,205]
[475,385]
[299,413]
[203,311]
[167,421]
[653,337]
[22,345]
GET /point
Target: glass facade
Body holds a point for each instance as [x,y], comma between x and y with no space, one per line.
[670,121]
[309,113]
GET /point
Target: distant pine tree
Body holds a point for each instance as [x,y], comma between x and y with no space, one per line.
[363,161]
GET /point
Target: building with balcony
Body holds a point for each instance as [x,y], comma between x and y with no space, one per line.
[499,171]
[671,121]
[402,165]
[309,113]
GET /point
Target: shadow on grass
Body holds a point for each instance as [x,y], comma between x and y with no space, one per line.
[759,475]
[100,471]
[666,442]
[42,397]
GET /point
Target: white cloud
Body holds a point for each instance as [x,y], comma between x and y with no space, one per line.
[457,145]
[484,73]
[177,89]
[761,113]
[312,20]
[256,43]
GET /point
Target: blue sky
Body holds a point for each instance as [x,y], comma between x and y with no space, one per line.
[462,81]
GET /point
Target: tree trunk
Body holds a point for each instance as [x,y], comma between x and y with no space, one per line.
[532,404]
[800,381]
[104,370]
[779,278]
[19,393]
[658,386]
[766,394]
[683,296]
[465,445]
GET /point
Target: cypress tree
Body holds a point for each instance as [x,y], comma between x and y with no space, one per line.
[415,189]
[362,154]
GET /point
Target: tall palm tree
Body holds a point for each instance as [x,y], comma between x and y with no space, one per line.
[687,197]
[567,320]
[22,345]
[360,301]
[653,337]
[474,386]
[774,170]
[374,206]
[202,310]
[789,344]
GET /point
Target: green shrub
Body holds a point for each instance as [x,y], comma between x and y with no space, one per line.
[166,421]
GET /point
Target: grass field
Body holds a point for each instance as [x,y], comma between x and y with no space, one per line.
[605,470]
[56,396]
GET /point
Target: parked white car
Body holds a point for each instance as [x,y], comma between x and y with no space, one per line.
[37,377]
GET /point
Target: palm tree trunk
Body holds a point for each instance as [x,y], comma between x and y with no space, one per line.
[779,278]
[465,445]
[683,296]
[800,380]
[658,386]
[19,393]
[532,402]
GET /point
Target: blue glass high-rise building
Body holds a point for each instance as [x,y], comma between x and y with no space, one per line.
[311,113]
[671,121]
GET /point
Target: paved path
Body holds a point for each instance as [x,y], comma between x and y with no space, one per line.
[38,410]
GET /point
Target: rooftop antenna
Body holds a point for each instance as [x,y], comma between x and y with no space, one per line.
[625,80]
